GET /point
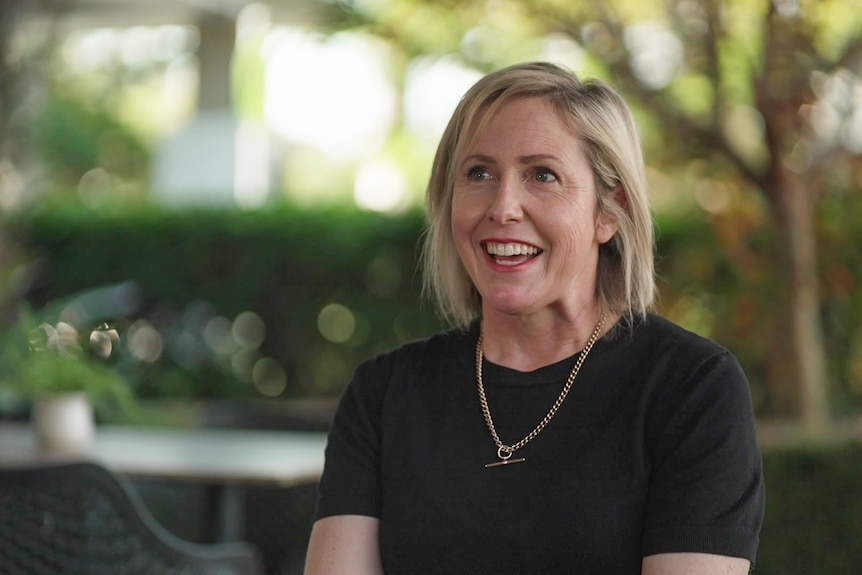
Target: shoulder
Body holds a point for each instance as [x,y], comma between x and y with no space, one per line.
[675,365]
[663,335]
[668,347]
[409,374]
[422,357]
[686,374]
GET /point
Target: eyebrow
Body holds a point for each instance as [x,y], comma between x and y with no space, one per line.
[481,158]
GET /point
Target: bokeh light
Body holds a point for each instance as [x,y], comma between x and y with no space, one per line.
[336,323]
[380,186]
[248,330]
[145,342]
[219,337]
[269,377]
[318,112]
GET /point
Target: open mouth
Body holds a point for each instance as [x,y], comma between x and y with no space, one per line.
[511,254]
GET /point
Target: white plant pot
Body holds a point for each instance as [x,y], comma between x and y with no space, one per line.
[64,423]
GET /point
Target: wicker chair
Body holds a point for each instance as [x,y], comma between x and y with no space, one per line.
[81,519]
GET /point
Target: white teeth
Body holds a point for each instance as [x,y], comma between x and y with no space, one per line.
[496,249]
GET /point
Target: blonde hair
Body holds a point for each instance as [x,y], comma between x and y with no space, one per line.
[602,120]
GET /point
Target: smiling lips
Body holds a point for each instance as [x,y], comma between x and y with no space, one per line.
[511,254]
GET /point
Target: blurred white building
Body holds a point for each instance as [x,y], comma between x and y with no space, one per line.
[214,157]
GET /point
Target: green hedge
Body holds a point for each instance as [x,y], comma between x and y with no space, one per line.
[285,266]
[813,523]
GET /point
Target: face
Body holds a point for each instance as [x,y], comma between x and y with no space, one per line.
[524,214]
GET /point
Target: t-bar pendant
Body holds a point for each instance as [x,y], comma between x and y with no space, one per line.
[505,456]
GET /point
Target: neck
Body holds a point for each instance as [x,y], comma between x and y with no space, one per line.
[528,343]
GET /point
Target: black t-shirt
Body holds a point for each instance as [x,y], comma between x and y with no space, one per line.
[653,451]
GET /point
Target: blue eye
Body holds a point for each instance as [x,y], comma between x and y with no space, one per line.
[478,173]
[545,175]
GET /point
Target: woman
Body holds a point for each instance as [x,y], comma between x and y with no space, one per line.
[561,427]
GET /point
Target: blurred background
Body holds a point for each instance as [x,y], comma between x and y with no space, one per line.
[224,199]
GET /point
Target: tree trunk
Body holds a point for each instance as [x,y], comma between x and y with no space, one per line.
[805,355]
[800,384]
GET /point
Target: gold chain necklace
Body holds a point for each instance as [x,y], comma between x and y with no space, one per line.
[504,452]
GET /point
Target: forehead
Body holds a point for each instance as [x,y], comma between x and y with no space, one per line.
[501,123]
[531,105]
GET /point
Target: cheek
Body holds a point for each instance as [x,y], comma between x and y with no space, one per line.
[464,216]
[460,229]
[573,238]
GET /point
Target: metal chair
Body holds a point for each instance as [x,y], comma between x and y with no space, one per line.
[79,518]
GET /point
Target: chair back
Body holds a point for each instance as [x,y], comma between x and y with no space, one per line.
[80,518]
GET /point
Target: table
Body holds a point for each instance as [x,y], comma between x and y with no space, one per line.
[224,460]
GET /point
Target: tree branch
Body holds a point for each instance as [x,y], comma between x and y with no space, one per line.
[713,135]
[714,33]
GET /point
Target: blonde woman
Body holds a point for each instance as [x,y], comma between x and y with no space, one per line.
[560,426]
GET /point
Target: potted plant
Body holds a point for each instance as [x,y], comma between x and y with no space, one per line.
[54,368]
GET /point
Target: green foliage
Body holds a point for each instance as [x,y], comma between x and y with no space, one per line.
[74,138]
[693,95]
[38,359]
[195,269]
[46,373]
[288,265]
[841,268]
[813,508]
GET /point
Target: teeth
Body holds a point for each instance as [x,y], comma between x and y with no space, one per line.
[496,249]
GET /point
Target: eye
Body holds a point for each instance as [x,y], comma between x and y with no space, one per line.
[545,175]
[478,173]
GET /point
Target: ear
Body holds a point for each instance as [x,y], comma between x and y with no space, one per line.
[607,223]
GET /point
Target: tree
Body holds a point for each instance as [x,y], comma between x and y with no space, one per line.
[10,76]
[12,148]
[757,95]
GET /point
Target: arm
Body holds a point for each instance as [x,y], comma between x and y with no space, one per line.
[344,545]
[694,564]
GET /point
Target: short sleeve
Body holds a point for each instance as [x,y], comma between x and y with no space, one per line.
[350,484]
[706,490]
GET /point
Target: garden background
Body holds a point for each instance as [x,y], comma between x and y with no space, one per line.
[249,304]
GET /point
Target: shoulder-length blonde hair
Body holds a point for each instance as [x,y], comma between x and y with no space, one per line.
[602,120]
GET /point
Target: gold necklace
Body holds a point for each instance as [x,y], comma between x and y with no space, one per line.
[504,452]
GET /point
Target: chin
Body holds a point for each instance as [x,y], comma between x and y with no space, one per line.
[508,304]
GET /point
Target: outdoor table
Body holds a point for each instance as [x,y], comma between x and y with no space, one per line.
[226,461]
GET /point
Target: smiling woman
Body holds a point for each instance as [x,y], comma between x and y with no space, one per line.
[526,187]
[561,426]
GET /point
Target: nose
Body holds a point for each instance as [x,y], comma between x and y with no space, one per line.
[506,201]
